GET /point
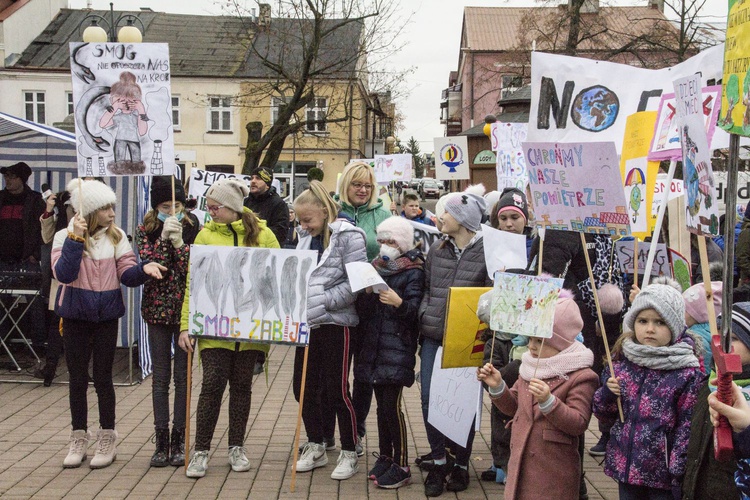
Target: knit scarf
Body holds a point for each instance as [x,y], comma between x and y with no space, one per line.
[671,357]
[394,266]
[574,358]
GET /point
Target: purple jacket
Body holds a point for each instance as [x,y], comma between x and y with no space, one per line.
[650,447]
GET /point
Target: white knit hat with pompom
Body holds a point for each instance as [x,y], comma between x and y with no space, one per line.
[90,196]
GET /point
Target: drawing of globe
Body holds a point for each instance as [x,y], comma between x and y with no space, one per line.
[595,108]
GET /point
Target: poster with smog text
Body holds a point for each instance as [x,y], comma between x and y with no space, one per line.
[123,108]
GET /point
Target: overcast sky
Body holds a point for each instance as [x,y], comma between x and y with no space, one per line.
[432,38]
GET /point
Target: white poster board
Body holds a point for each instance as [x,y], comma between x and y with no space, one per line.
[250,294]
[390,168]
[362,274]
[624,249]
[451,158]
[425,235]
[511,163]
[503,250]
[200,181]
[123,108]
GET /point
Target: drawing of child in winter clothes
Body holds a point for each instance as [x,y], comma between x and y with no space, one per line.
[658,377]
[551,407]
[128,115]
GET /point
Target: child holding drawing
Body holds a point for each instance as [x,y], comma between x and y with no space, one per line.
[551,405]
[389,343]
[225,361]
[658,377]
[331,312]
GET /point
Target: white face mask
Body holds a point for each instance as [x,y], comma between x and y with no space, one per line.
[389,252]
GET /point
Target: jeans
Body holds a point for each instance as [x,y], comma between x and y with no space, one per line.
[160,338]
[436,438]
[633,492]
[84,340]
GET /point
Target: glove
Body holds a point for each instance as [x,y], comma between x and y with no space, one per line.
[173,232]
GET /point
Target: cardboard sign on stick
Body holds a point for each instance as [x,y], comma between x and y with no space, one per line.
[736,71]
[462,341]
[393,168]
[625,248]
[639,174]
[200,181]
[511,164]
[524,305]
[451,158]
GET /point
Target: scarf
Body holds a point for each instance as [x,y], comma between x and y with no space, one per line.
[572,359]
[394,266]
[671,357]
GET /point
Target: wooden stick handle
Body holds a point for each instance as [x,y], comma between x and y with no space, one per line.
[172,194]
[636,260]
[293,481]
[707,284]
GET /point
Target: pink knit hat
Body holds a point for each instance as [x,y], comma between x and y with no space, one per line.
[695,300]
[567,324]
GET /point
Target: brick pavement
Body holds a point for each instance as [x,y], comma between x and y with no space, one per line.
[34,429]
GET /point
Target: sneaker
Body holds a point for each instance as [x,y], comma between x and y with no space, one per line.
[435,482]
[458,480]
[79,441]
[493,474]
[358,447]
[346,466]
[238,460]
[394,477]
[106,451]
[198,465]
[600,448]
[330,445]
[426,462]
[382,464]
[313,456]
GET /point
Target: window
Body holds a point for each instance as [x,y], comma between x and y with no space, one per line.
[69,97]
[316,115]
[220,114]
[276,103]
[511,83]
[176,112]
[34,103]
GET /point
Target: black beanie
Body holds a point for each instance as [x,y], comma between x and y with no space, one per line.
[161,190]
[515,198]
[265,174]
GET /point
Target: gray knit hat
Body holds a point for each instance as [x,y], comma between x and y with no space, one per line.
[467,208]
[666,301]
[229,192]
[740,322]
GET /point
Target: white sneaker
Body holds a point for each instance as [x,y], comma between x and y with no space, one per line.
[313,456]
[106,451]
[238,460]
[198,465]
[79,441]
[347,465]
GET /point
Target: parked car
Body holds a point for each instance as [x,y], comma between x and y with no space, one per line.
[430,188]
[414,184]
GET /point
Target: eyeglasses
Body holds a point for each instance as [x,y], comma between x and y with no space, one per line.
[358,185]
[214,208]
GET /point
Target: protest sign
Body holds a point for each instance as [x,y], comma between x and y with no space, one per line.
[702,209]
[574,99]
[524,305]
[665,143]
[250,294]
[390,168]
[735,95]
[511,164]
[200,181]
[503,250]
[462,342]
[451,158]
[676,189]
[577,187]
[425,235]
[362,274]
[122,108]
[680,269]
[454,399]
[624,249]
[638,173]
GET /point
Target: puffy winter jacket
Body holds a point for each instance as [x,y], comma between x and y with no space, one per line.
[389,334]
[90,281]
[367,218]
[650,447]
[444,269]
[330,299]
[270,207]
[421,217]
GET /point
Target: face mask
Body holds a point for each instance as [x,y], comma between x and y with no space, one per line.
[163,216]
[388,252]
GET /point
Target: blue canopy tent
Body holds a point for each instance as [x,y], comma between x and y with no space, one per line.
[51,154]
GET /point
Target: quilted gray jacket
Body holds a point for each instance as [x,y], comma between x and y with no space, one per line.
[330,299]
[444,269]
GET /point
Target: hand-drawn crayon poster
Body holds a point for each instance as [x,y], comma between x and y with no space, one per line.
[451,158]
[665,143]
[250,294]
[200,181]
[390,168]
[702,208]
[735,97]
[462,342]
[123,108]
[524,305]
[639,174]
[577,187]
[511,164]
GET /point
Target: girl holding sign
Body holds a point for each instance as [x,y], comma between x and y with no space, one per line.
[225,361]
[551,405]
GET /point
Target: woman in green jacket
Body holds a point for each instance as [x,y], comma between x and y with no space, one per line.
[225,361]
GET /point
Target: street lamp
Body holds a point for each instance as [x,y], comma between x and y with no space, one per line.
[128,31]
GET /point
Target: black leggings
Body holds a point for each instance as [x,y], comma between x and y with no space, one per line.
[84,340]
[392,433]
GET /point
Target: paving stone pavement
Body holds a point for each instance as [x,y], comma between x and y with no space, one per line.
[34,431]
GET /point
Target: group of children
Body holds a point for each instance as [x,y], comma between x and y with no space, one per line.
[544,393]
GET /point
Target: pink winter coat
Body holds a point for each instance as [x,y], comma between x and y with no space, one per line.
[544,461]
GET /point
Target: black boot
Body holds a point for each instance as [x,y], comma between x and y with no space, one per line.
[47,373]
[160,458]
[177,455]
